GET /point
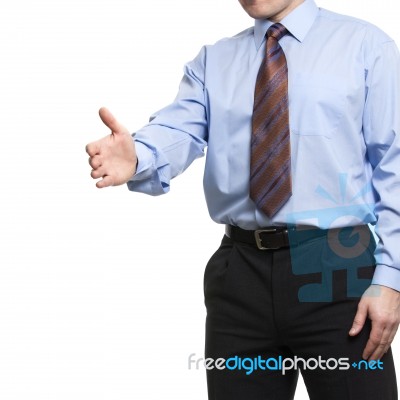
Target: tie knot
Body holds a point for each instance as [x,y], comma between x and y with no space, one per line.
[277,31]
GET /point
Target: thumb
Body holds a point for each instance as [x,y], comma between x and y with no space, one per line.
[110,121]
[359,320]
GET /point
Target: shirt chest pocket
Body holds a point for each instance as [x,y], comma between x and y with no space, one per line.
[316,104]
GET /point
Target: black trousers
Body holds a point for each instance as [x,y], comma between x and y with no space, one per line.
[287,305]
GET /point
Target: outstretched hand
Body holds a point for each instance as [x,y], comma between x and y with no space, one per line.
[113,158]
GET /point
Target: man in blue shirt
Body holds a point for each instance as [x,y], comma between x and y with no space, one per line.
[308,281]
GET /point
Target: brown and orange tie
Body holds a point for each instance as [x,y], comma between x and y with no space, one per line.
[270,176]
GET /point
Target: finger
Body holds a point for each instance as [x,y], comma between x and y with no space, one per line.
[374,340]
[93,148]
[391,338]
[98,173]
[95,162]
[359,320]
[110,121]
[105,182]
[382,346]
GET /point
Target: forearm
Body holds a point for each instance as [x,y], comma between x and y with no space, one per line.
[158,164]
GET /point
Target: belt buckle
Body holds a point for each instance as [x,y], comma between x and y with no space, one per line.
[259,240]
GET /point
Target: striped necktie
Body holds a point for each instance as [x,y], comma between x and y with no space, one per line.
[270,178]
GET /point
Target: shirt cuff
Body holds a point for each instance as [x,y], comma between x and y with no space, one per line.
[145,158]
[387,276]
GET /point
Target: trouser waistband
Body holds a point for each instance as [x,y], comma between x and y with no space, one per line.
[277,237]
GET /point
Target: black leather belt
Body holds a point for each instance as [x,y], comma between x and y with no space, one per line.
[269,238]
[277,237]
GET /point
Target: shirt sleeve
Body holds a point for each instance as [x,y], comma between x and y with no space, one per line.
[175,136]
[381,128]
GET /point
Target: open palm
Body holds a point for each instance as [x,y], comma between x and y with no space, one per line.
[113,158]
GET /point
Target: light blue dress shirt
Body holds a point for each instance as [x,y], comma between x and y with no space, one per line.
[344,99]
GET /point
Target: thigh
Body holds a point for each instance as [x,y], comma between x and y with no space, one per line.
[359,380]
[319,307]
[240,327]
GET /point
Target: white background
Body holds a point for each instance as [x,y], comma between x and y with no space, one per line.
[101,290]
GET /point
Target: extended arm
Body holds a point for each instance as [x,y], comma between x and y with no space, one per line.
[161,150]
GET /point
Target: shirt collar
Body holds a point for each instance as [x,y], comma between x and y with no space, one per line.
[298,22]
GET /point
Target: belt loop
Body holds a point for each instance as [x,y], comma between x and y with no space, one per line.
[291,235]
